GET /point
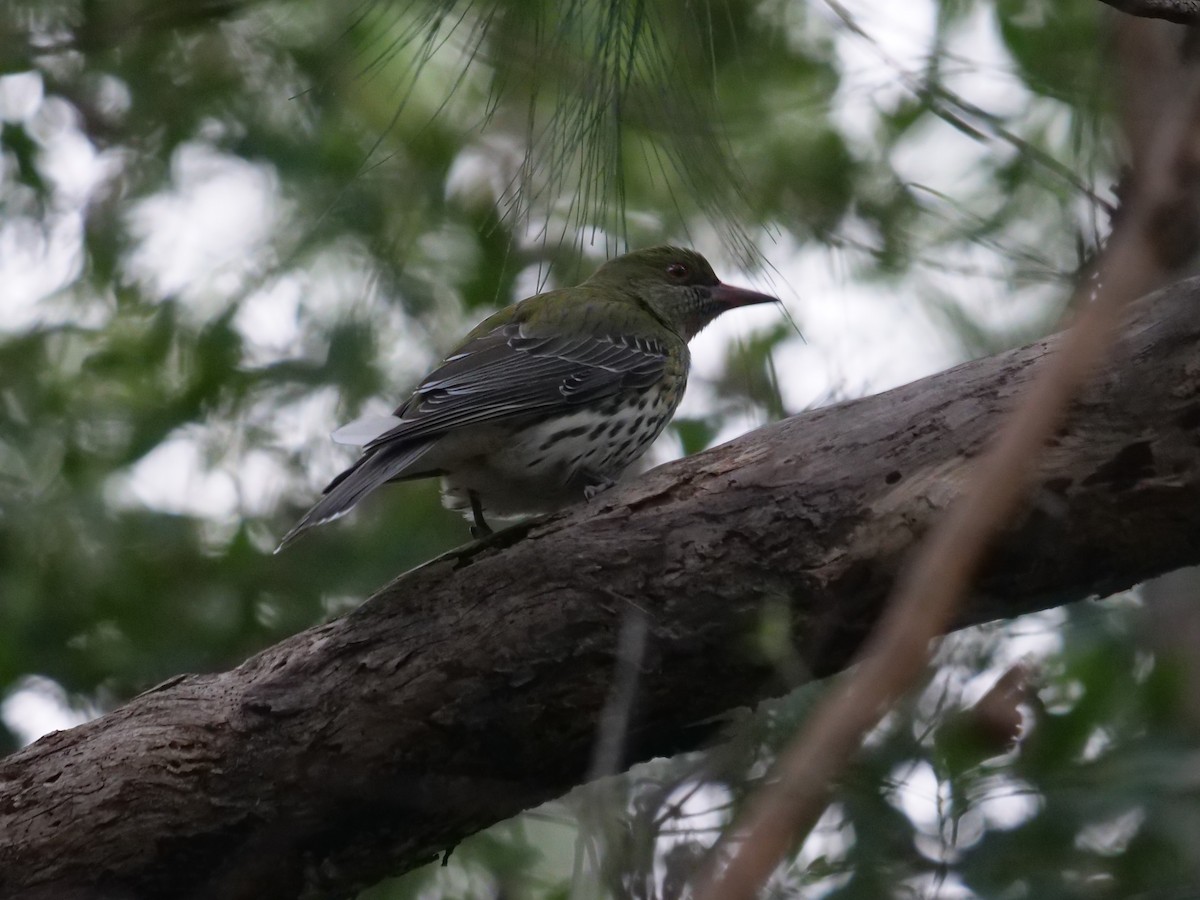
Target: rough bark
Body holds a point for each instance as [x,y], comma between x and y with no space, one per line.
[470,688]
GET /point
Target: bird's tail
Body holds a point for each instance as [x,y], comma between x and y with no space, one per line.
[374,468]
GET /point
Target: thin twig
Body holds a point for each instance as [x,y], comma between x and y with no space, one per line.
[600,802]
[618,709]
[1143,250]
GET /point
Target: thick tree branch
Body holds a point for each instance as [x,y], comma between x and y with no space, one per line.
[471,688]
[1182,12]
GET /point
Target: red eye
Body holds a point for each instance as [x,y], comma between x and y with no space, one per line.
[677,270]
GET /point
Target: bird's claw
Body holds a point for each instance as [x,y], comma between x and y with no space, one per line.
[480,529]
[591,490]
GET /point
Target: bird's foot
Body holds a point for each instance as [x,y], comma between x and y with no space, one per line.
[480,529]
[598,487]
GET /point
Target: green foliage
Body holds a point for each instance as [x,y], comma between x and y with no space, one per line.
[227,227]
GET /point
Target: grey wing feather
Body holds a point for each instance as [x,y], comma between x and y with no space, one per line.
[506,374]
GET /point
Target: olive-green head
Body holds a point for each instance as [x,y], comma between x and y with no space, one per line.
[677,285]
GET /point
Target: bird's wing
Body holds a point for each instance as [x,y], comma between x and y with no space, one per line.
[509,373]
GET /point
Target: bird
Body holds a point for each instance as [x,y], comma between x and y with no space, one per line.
[546,402]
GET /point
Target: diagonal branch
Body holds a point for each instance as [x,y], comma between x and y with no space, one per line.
[474,687]
[1182,12]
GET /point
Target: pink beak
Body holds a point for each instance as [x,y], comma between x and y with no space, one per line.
[732,297]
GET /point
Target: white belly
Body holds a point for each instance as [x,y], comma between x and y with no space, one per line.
[548,465]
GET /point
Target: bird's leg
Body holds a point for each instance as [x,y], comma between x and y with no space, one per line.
[596,484]
[480,529]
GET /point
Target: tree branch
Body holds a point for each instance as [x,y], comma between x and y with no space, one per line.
[473,687]
[1182,12]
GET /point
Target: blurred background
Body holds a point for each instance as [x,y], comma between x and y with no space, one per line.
[229,226]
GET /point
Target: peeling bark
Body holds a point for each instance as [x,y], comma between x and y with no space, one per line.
[470,688]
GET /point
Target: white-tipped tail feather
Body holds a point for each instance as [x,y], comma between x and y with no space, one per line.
[372,470]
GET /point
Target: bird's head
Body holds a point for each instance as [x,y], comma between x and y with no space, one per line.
[678,286]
